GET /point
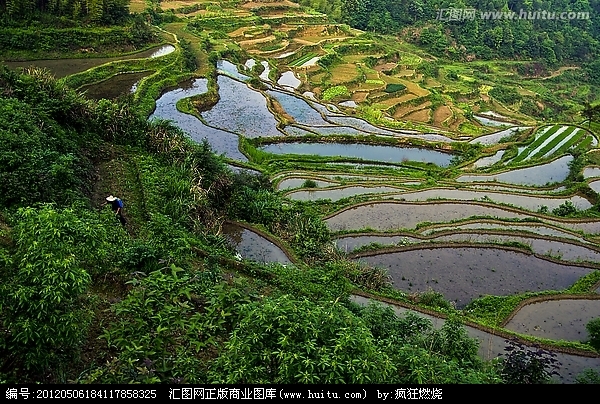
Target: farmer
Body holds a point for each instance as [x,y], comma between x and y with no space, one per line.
[116,204]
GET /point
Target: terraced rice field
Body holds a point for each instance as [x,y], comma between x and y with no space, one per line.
[553,140]
[469,228]
[344,73]
[485,227]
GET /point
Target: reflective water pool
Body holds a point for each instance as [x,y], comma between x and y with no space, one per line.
[555,171]
[253,246]
[221,141]
[463,274]
[241,110]
[387,154]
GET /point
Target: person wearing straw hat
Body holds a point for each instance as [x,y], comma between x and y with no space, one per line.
[116,204]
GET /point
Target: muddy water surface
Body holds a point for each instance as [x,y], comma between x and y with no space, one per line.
[494,138]
[558,249]
[289,183]
[394,216]
[555,171]
[298,108]
[527,202]
[253,246]
[540,229]
[463,274]
[289,79]
[350,243]
[389,216]
[556,319]
[65,67]
[337,194]
[490,160]
[115,86]
[590,172]
[229,69]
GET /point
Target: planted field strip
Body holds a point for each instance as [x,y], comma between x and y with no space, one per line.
[344,73]
[561,249]
[490,225]
[556,143]
[408,109]
[551,140]
[576,136]
[521,201]
[300,61]
[584,144]
[385,216]
[250,42]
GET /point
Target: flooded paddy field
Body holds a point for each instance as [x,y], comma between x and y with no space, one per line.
[385,216]
[387,154]
[253,246]
[557,249]
[560,319]
[65,67]
[335,194]
[289,183]
[527,202]
[241,110]
[462,274]
[544,230]
[492,345]
[115,86]
[540,175]
[223,142]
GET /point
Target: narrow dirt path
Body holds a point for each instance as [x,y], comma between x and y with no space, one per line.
[560,71]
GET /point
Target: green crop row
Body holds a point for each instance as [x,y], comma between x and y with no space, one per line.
[541,139]
[581,134]
[550,145]
[303,59]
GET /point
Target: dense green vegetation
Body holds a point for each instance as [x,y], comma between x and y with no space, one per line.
[551,40]
[69,12]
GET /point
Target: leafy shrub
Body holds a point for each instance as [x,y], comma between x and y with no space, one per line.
[369,277]
[524,365]
[384,323]
[42,297]
[190,63]
[455,344]
[310,184]
[435,300]
[139,256]
[160,330]
[593,328]
[35,165]
[328,60]
[504,94]
[565,209]
[286,340]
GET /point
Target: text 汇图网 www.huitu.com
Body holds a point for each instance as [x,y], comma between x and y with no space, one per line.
[464,14]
